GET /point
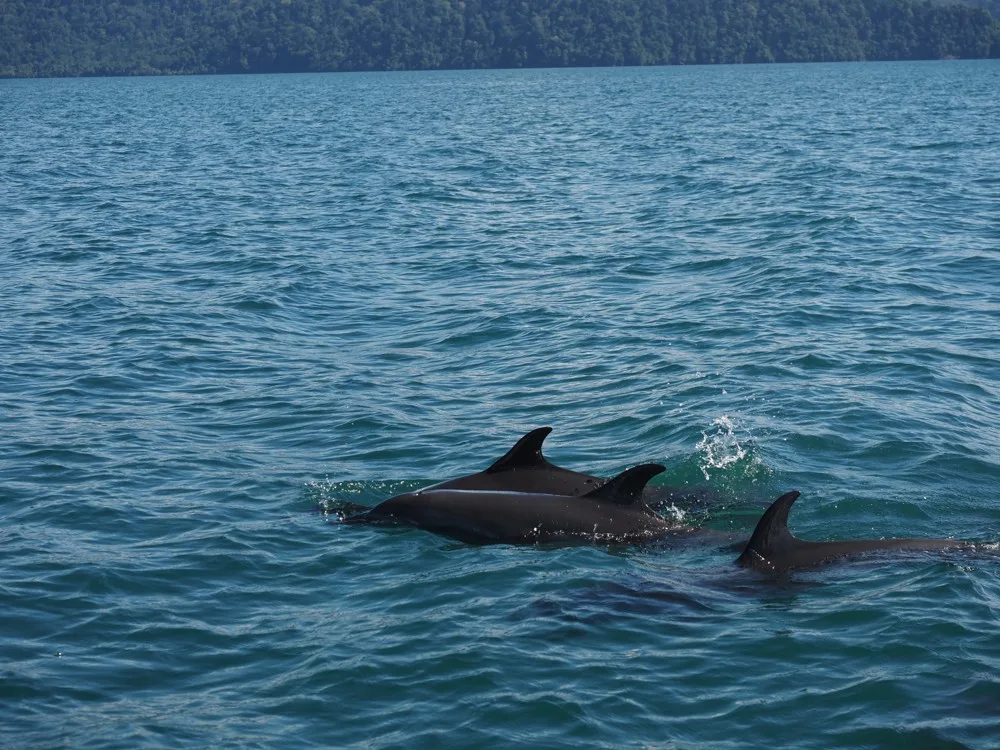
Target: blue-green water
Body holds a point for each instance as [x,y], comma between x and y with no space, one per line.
[229,302]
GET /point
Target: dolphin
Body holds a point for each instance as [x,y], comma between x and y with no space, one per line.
[524,469]
[773,549]
[612,513]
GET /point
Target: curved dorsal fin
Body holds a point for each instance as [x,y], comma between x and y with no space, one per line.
[526,453]
[771,532]
[627,487]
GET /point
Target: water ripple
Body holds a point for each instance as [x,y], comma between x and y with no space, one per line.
[232,307]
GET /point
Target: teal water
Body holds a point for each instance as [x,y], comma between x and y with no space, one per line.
[230,305]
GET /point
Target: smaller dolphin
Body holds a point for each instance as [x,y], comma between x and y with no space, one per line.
[524,469]
[613,513]
[774,549]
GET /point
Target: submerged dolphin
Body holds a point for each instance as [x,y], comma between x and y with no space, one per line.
[612,513]
[773,548]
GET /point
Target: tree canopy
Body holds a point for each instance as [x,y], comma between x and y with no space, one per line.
[134,37]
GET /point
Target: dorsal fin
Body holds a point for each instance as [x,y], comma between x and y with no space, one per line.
[526,453]
[627,487]
[771,532]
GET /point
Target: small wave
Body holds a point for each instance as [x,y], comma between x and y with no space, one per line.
[935,146]
[250,304]
[343,498]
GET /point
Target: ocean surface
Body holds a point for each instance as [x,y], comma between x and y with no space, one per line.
[231,306]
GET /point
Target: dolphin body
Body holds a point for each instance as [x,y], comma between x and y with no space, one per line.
[611,513]
[773,548]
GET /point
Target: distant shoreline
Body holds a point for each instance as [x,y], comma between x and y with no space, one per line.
[181,74]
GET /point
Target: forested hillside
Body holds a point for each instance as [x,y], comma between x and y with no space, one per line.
[126,37]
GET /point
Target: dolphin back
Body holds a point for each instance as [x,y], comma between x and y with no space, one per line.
[773,548]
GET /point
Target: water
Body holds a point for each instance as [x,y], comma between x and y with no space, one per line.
[228,304]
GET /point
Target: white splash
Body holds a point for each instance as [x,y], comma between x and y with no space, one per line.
[673,512]
[721,448]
